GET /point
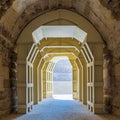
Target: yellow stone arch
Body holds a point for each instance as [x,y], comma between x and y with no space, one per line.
[87,61]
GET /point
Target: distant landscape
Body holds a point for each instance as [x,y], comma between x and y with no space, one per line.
[62,76]
[63,71]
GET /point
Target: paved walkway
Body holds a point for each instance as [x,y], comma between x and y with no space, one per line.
[53,109]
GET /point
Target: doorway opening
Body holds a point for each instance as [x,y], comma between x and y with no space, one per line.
[62,80]
[86,64]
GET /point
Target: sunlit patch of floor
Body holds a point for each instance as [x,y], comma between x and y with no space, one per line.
[63,96]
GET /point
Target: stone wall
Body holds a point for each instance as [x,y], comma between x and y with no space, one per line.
[116,97]
[5,84]
[8,86]
[4,5]
[111,77]
[113,5]
[13,78]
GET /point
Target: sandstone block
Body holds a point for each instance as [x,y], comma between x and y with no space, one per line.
[117,69]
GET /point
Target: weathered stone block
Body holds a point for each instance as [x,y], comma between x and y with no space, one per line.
[4,112]
[6,72]
[117,69]
[5,94]
[117,78]
[2,95]
[1,66]
[5,104]
[7,83]
[1,83]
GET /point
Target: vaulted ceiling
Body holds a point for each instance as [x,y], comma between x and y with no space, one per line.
[113,5]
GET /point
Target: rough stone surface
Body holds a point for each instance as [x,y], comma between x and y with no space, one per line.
[5,93]
[13,79]
[107,77]
[116,100]
[5,105]
[4,5]
[114,6]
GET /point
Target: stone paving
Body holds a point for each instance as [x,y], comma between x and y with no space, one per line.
[54,109]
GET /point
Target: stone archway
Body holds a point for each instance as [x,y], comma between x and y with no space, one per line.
[67,18]
[87,58]
[98,17]
[79,78]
